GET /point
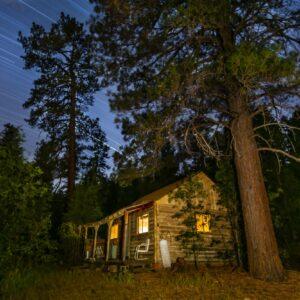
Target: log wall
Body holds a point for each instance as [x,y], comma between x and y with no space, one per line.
[213,252]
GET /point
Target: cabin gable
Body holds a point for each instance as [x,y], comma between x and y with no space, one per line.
[217,242]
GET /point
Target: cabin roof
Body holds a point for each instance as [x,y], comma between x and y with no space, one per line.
[152,197]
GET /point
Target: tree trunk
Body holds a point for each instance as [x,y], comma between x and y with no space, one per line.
[72,148]
[263,256]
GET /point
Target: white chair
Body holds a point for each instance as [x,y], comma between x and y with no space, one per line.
[99,252]
[142,248]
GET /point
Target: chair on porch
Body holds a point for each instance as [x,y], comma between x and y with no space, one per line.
[99,252]
[142,249]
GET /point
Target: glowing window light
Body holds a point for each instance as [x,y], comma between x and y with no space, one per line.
[143,223]
[114,231]
[203,223]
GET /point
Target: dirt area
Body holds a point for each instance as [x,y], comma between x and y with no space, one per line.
[212,284]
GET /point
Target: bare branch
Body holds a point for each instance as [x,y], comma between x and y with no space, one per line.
[204,144]
[297,159]
[278,124]
[269,145]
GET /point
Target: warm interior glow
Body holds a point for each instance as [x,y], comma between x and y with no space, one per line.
[143,223]
[202,224]
[114,231]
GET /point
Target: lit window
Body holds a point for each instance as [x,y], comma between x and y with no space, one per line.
[143,223]
[114,231]
[202,224]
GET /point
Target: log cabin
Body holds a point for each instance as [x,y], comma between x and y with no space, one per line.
[135,232]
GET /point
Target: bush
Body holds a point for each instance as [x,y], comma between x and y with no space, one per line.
[24,213]
[71,244]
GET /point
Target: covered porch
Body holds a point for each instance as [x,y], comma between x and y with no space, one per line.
[113,239]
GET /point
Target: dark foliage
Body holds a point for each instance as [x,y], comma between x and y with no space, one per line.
[190,196]
[25,202]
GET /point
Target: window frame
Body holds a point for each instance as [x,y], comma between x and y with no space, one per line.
[114,233]
[142,218]
[203,225]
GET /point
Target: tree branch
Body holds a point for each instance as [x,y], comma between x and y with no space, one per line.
[297,159]
[278,124]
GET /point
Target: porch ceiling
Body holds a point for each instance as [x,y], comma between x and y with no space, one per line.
[117,214]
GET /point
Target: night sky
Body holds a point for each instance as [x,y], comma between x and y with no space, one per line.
[15,82]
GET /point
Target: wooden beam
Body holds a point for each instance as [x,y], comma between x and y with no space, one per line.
[85,232]
[95,239]
[85,237]
[124,242]
[108,239]
[156,233]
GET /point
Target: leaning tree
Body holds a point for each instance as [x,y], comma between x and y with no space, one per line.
[184,71]
[64,57]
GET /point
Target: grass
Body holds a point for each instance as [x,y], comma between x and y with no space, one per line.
[93,284]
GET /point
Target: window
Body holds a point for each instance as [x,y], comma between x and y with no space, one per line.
[203,223]
[114,231]
[143,223]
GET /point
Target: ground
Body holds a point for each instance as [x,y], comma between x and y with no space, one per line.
[211,284]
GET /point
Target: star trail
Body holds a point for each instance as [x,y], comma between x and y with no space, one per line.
[15,82]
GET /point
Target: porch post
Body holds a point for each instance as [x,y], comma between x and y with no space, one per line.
[85,232]
[156,233]
[124,242]
[84,243]
[108,239]
[95,239]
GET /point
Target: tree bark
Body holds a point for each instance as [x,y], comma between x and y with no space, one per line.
[263,255]
[72,148]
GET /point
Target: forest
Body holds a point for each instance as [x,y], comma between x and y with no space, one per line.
[195,86]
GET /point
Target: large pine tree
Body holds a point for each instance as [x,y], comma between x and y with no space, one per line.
[62,95]
[185,70]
